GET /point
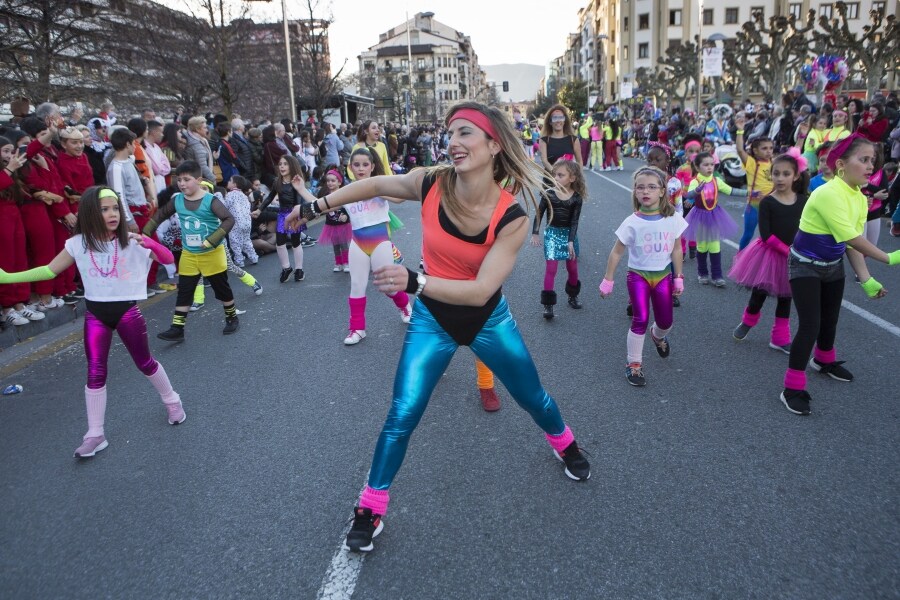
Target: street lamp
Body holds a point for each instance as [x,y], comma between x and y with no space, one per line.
[603,68]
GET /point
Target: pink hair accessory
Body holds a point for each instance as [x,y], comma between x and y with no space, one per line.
[838,113]
[794,152]
[840,149]
[692,144]
[606,287]
[480,120]
[337,174]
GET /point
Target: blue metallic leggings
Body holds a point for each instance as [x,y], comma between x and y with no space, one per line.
[751,220]
[427,350]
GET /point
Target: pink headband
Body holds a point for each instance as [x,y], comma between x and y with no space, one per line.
[838,113]
[480,119]
[840,149]
[340,177]
[691,144]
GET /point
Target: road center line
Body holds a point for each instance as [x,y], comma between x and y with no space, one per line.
[340,579]
[857,310]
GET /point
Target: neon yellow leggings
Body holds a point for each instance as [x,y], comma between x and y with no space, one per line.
[596,155]
[714,247]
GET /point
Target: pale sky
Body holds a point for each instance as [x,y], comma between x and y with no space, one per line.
[501,32]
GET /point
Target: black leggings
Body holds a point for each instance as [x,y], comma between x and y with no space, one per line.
[818,307]
[188,283]
[282,239]
[758,298]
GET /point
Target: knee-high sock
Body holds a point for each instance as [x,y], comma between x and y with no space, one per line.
[298,257]
[401,299]
[160,381]
[715,263]
[824,356]
[702,269]
[357,313]
[794,379]
[561,442]
[781,331]
[635,347]
[248,279]
[95,401]
[283,256]
[484,377]
[749,319]
[375,500]
[658,333]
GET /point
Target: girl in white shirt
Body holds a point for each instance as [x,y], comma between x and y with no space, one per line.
[652,238]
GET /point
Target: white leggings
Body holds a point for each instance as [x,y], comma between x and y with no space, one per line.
[361,264]
[873,229]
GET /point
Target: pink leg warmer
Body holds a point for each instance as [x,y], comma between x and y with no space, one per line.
[376,500]
[781,331]
[794,379]
[95,400]
[160,381]
[825,356]
[357,313]
[750,320]
[401,299]
[561,442]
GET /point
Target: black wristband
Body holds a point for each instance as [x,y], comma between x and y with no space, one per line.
[325,200]
[310,211]
[412,281]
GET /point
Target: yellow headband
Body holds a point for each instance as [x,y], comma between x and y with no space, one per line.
[108,193]
[208,185]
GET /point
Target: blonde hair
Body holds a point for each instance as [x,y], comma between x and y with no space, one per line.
[511,165]
[665,207]
[194,123]
[578,184]
[547,130]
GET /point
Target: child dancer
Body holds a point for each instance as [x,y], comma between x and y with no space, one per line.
[237,201]
[811,135]
[337,230]
[288,188]
[596,133]
[825,175]
[612,136]
[758,165]
[370,247]
[685,173]
[561,233]
[113,266]
[659,156]
[708,222]
[650,236]
[205,222]
[831,225]
[762,266]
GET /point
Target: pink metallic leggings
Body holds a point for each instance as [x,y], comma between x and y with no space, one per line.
[643,294]
[553,266]
[98,337]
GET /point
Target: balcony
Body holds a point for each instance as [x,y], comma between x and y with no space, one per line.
[424,85]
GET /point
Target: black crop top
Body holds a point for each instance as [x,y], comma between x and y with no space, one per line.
[565,213]
[288,197]
[779,219]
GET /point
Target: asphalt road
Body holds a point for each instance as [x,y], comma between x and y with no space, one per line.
[703,485]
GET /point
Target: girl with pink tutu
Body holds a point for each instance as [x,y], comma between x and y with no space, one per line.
[762,266]
[337,230]
[708,222]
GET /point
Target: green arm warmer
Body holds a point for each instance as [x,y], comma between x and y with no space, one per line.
[894,258]
[871,287]
[216,237]
[37,274]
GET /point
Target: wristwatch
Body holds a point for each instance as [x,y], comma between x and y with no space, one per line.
[420,279]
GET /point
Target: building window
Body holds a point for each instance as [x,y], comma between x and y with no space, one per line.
[404,64]
[388,65]
[644,21]
[625,52]
[879,6]
[674,42]
[644,50]
[796,10]
[852,10]
[731,16]
[760,10]
[674,17]
[420,63]
[707,16]
[117,5]
[404,80]
[421,78]
[825,11]
[625,24]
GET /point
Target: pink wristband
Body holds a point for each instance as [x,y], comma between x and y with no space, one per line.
[163,255]
[773,242]
[606,287]
[679,284]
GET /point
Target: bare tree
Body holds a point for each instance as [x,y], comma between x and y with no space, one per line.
[875,50]
[680,68]
[313,73]
[782,46]
[742,63]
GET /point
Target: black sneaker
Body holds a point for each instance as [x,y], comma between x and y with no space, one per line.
[172,334]
[676,302]
[662,346]
[79,292]
[285,274]
[365,527]
[692,252]
[629,310]
[574,303]
[70,298]
[231,325]
[833,370]
[298,275]
[741,331]
[577,466]
[635,375]
[796,401]
[548,311]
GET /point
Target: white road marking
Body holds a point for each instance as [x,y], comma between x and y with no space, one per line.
[857,310]
[340,580]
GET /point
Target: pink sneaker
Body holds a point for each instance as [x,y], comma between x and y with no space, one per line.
[176,413]
[91,446]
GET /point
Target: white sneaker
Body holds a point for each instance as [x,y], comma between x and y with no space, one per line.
[195,306]
[354,337]
[406,313]
[619,169]
[151,292]
[54,303]
[14,318]
[346,268]
[337,268]
[31,314]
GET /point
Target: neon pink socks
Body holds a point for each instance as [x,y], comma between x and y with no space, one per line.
[781,331]
[95,400]
[825,356]
[401,299]
[561,442]
[376,500]
[160,381]
[794,379]
[750,320]
[357,313]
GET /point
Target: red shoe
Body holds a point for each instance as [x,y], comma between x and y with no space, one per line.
[489,400]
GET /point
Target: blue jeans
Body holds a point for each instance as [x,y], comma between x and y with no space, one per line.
[427,350]
[751,220]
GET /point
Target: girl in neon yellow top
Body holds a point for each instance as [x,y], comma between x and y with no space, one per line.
[758,165]
[811,134]
[369,134]
[838,129]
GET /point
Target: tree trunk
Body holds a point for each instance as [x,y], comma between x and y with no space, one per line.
[874,73]
[777,85]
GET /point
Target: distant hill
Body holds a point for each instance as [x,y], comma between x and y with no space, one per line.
[523,80]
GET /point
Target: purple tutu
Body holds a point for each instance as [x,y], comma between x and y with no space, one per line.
[336,235]
[281,226]
[709,225]
[760,266]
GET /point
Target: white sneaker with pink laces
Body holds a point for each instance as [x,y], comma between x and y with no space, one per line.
[354,337]
[406,313]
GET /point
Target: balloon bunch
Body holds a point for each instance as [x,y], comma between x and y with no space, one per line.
[808,75]
[613,112]
[833,69]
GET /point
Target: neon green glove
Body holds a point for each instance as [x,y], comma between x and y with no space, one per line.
[37,274]
[871,287]
[894,258]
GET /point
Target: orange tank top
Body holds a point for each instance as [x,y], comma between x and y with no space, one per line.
[447,256]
